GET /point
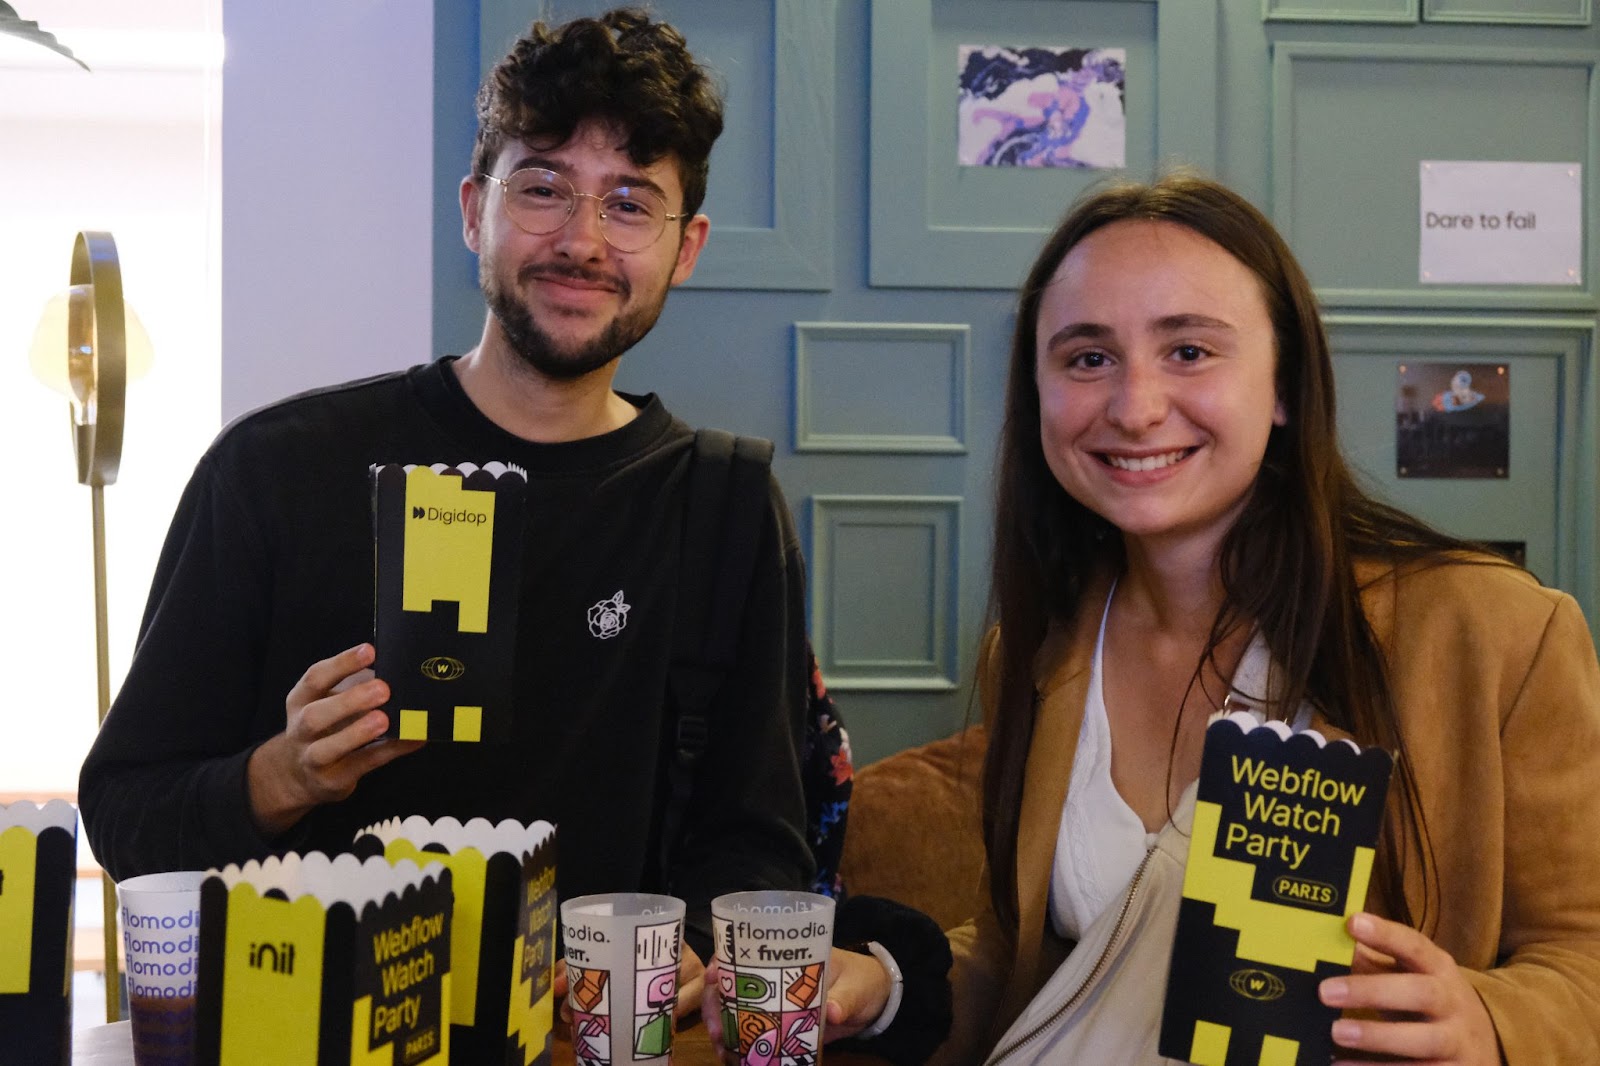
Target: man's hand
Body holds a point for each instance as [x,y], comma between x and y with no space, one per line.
[711,991]
[1427,1010]
[330,741]
[858,990]
[691,982]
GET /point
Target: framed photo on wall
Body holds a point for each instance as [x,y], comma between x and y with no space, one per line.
[1453,420]
[1041,106]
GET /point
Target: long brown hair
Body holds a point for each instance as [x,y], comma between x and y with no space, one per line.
[1286,565]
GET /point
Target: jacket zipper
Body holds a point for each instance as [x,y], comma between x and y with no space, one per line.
[1088,982]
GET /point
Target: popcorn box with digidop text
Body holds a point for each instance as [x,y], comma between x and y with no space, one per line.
[312,961]
[448,543]
[38,860]
[502,940]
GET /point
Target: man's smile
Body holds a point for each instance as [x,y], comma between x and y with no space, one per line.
[575,278]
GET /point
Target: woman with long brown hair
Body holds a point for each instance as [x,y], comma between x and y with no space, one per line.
[1174,513]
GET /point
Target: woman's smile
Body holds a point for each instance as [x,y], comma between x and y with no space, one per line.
[1144,463]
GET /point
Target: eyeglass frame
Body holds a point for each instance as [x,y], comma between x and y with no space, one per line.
[505,188]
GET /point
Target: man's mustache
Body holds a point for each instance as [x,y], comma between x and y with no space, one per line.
[573,272]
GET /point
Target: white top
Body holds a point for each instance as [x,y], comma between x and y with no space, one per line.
[1102,841]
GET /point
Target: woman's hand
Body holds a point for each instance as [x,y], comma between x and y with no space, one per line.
[1427,1009]
[858,989]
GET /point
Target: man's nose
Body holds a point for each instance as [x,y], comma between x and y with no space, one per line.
[582,237]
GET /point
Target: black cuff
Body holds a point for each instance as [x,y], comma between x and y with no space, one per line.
[920,949]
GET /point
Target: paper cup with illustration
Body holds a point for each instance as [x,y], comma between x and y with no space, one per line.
[772,954]
[622,951]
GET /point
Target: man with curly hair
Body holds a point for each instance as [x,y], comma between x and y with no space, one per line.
[582,204]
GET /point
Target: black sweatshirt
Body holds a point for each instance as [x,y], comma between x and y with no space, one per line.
[268,567]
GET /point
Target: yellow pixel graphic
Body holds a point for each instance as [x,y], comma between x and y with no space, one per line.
[249,1034]
[468,872]
[529,1021]
[1272,933]
[449,534]
[362,1054]
[467,724]
[19,853]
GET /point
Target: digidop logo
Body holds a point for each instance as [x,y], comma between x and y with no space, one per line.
[441,514]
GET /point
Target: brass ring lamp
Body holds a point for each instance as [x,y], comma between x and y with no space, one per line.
[97,372]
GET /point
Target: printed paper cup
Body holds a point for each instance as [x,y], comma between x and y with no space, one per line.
[772,954]
[160,917]
[622,951]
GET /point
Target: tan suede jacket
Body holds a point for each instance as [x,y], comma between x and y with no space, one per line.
[1498,692]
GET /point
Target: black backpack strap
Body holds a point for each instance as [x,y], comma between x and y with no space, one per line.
[727,504]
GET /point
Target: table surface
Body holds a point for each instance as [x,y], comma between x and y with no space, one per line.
[103,1045]
[112,1045]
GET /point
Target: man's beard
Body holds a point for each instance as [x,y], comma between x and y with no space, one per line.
[539,351]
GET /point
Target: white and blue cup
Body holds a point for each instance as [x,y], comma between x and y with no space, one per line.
[160,919]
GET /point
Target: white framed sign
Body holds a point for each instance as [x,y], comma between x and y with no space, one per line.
[1492,223]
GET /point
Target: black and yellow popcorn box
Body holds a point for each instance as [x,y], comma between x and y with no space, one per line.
[312,961]
[448,569]
[502,1002]
[38,869]
[1285,826]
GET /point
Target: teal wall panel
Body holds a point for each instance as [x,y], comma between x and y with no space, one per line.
[884,591]
[740,43]
[772,171]
[1352,122]
[1510,12]
[457,305]
[881,387]
[1340,10]
[1546,500]
[936,223]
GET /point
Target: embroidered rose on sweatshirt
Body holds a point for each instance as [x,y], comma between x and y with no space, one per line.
[609,617]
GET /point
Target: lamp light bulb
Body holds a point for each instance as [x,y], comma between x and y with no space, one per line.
[68,368]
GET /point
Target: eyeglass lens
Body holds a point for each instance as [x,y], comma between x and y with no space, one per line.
[541,201]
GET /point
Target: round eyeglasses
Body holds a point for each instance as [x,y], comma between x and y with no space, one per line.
[541,201]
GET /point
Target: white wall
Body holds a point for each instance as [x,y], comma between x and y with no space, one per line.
[327,193]
[287,251]
[129,149]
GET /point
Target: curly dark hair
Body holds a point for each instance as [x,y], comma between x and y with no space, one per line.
[621,68]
